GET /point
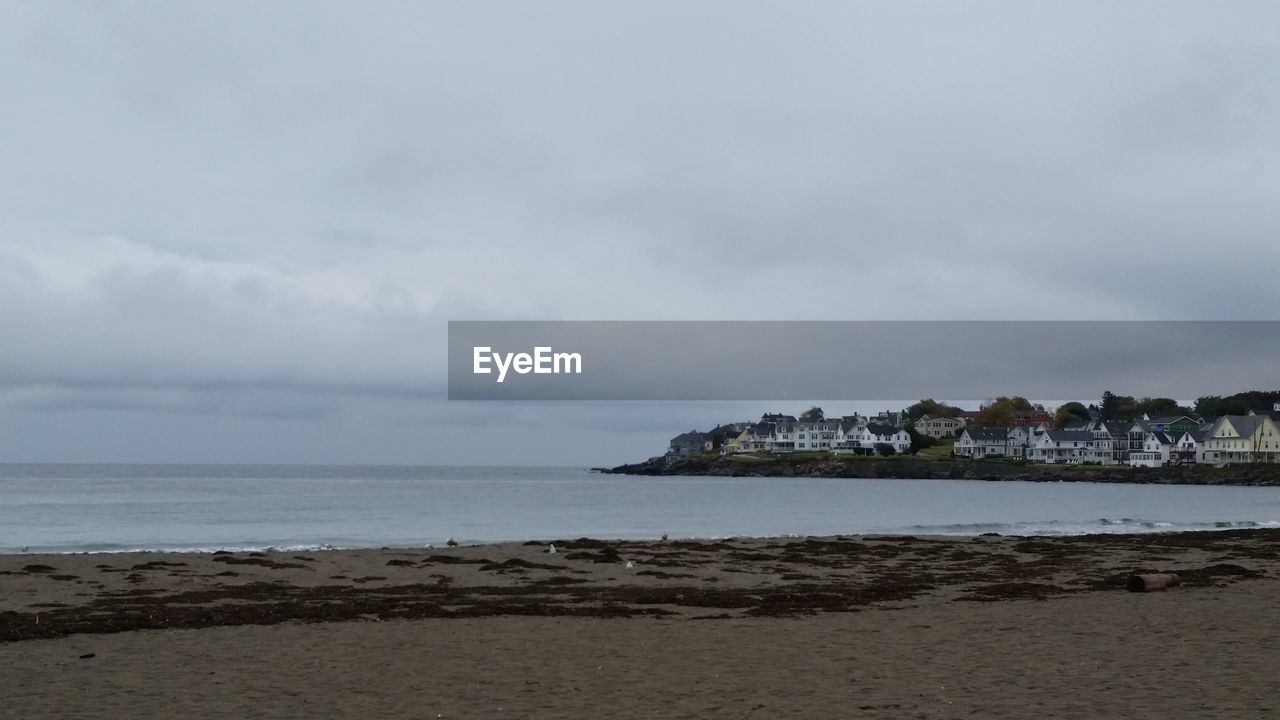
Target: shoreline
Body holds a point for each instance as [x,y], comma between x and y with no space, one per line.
[1124,529]
[983,626]
[919,468]
[49,595]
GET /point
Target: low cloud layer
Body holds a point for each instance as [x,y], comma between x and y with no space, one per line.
[266,213]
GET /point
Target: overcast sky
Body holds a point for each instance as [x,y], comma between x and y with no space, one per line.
[235,231]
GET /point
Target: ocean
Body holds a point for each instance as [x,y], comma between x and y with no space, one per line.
[95,508]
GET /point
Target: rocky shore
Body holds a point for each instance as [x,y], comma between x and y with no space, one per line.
[917,468]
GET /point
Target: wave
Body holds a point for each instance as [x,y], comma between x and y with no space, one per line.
[1078,527]
[93,549]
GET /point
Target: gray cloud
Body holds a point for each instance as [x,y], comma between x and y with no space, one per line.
[216,201]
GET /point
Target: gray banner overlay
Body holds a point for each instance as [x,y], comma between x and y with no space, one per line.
[858,360]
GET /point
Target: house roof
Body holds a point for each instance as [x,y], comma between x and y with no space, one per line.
[878,429]
[988,434]
[1199,434]
[1069,435]
[691,436]
[1163,438]
[1244,425]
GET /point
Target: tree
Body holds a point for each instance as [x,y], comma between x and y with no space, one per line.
[1160,406]
[919,441]
[884,449]
[1239,404]
[1069,413]
[813,414]
[1118,407]
[998,412]
[932,408]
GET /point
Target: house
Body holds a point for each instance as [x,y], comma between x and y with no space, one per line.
[895,437]
[888,417]
[1157,449]
[722,438]
[1064,446]
[1022,439]
[756,438]
[1188,447]
[1234,439]
[857,436]
[816,435]
[975,442]
[1170,424]
[1112,442]
[938,427]
[688,444]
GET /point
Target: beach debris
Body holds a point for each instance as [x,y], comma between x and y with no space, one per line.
[630,565]
[86,656]
[1151,582]
[451,542]
[551,548]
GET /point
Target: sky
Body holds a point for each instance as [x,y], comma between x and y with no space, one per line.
[235,231]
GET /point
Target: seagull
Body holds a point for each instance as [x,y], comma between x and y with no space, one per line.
[452,543]
[664,537]
[551,548]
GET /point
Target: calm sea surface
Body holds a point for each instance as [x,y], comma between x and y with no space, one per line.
[65,508]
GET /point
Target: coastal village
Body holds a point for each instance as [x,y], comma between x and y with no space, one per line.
[1028,435]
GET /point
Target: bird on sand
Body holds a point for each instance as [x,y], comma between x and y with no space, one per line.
[452,543]
[551,548]
[630,564]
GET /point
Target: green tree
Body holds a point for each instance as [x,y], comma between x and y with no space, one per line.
[996,413]
[1118,407]
[1160,406]
[932,408]
[918,441]
[1069,413]
[1258,401]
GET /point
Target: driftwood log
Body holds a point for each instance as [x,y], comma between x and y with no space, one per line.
[1152,582]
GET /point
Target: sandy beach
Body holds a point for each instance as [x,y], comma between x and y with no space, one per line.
[752,628]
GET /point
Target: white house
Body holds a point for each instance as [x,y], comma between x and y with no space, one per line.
[1157,449]
[858,436]
[975,442]
[896,437]
[1064,446]
[1022,439]
[815,435]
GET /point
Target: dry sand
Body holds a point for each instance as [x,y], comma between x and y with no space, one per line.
[763,628]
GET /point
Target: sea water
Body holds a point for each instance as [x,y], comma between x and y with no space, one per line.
[75,508]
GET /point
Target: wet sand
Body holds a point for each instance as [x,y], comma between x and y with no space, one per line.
[816,627]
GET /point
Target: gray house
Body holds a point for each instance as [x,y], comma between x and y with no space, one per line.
[688,444]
